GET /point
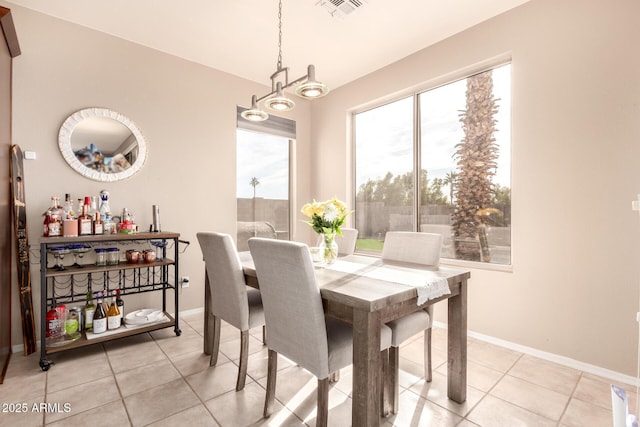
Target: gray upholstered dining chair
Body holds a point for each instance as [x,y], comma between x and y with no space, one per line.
[416,248]
[231,299]
[297,327]
[347,242]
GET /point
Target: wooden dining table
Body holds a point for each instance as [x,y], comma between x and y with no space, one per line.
[368,292]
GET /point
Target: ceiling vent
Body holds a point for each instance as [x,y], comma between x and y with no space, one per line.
[341,8]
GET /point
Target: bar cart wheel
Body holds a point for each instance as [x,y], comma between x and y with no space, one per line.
[45,364]
[178,332]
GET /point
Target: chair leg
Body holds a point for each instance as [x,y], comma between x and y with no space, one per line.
[322,413]
[272,370]
[244,356]
[394,370]
[427,355]
[215,342]
[334,377]
[264,334]
[387,382]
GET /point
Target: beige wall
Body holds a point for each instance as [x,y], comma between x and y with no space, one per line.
[574,286]
[185,111]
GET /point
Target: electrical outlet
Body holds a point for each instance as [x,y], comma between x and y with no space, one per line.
[185,281]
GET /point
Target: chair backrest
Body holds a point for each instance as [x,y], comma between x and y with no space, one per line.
[226,279]
[347,242]
[292,303]
[414,247]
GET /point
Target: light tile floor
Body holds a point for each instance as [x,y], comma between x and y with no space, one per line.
[159,379]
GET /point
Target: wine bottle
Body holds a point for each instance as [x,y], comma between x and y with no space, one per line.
[85,225]
[89,311]
[99,317]
[120,305]
[113,317]
[105,302]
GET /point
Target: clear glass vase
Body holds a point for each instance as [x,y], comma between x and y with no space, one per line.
[328,248]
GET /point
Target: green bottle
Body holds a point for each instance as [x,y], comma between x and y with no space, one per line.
[89,311]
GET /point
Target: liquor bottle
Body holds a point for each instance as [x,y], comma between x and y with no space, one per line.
[54,326]
[93,208]
[113,316]
[69,211]
[120,305]
[109,227]
[98,225]
[99,317]
[55,222]
[85,225]
[45,224]
[89,311]
[105,209]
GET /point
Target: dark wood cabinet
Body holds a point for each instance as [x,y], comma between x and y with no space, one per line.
[8,50]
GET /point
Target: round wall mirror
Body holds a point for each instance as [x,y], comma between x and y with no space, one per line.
[102,144]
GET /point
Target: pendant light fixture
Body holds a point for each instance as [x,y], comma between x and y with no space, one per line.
[276,100]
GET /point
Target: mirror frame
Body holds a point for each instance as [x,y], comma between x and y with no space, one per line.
[64,143]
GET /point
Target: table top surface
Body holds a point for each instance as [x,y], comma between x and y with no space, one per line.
[346,282]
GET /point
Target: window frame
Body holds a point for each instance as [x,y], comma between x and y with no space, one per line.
[415,92]
[279,127]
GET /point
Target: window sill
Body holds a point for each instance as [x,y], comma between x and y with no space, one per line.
[477,265]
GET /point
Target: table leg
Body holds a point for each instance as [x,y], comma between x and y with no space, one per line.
[457,346]
[366,369]
[208,320]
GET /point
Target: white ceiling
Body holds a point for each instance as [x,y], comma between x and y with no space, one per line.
[241,36]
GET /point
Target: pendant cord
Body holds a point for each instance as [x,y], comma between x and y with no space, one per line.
[279,35]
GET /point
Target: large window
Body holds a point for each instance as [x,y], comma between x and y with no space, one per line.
[457,136]
[262,182]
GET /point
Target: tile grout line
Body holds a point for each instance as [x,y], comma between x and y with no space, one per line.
[185,379]
[487,393]
[115,380]
[529,382]
[573,392]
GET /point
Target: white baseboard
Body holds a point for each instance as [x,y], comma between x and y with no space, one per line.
[614,376]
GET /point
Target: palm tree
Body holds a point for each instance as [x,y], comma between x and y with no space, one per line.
[254,183]
[450,180]
[476,156]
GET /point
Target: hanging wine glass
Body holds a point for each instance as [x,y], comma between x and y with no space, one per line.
[82,251]
[75,255]
[160,245]
[62,252]
[56,256]
[78,251]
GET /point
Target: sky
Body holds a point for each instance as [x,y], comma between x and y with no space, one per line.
[265,157]
[385,134]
